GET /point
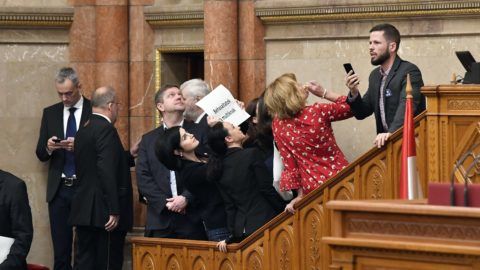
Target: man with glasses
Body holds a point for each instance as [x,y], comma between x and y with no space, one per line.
[60,123]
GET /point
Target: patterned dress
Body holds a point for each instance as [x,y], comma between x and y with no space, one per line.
[308,147]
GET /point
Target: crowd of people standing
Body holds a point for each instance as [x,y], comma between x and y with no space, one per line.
[200,178]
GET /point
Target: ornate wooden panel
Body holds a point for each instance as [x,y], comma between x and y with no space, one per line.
[282,246]
[295,241]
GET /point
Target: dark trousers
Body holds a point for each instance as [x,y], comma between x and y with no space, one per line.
[61,231]
[180,228]
[98,249]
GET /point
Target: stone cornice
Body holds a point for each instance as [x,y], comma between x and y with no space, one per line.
[368,12]
[194,18]
[36,18]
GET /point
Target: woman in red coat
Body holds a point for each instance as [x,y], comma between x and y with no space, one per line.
[304,134]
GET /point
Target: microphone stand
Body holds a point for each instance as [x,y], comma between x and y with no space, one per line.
[455,168]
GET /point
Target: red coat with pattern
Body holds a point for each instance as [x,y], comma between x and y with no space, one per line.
[308,147]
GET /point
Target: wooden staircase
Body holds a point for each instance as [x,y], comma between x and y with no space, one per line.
[295,241]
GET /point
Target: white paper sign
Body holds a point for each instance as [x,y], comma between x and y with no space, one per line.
[221,104]
[5,244]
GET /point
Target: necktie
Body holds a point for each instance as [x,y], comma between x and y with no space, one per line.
[69,166]
[383,117]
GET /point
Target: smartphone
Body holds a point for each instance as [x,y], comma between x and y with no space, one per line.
[348,67]
[56,140]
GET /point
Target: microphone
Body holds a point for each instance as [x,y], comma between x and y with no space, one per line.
[464,175]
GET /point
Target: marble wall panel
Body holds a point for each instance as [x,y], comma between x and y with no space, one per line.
[321,59]
[177,5]
[26,87]
[33,3]
[179,37]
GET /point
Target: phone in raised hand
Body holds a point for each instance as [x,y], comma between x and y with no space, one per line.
[348,67]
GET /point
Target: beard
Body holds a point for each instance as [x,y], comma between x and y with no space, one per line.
[381,58]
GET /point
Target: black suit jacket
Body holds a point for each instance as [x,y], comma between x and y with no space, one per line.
[153,180]
[16,220]
[52,125]
[247,190]
[103,173]
[395,104]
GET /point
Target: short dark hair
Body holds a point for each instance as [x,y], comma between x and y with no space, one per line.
[161,91]
[389,32]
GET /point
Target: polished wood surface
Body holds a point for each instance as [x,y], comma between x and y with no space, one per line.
[393,235]
[289,241]
[295,241]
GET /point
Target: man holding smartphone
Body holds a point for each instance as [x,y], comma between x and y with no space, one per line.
[386,94]
[60,123]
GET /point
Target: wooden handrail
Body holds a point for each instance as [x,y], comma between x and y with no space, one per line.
[257,248]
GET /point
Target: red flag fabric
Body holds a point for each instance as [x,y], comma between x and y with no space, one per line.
[409,184]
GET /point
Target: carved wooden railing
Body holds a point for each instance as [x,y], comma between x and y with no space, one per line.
[291,241]
[294,241]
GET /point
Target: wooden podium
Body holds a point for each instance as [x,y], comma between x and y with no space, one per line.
[403,235]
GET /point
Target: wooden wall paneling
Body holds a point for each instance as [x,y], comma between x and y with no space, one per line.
[312,222]
[433,155]
[373,177]
[281,244]
[344,190]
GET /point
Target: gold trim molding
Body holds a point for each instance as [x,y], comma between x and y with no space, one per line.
[35,20]
[369,12]
[158,66]
[175,19]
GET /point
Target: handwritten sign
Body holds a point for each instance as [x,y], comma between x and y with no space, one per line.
[221,104]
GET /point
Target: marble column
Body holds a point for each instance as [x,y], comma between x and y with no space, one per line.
[99,51]
[251,68]
[221,43]
[141,85]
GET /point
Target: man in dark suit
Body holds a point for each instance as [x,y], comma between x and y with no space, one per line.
[386,93]
[55,144]
[16,220]
[102,208]
[171,211]
[193,90]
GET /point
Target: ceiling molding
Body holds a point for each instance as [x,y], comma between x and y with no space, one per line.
[368,12]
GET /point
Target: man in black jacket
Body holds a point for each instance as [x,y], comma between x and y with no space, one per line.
[102,209]
[16,220]
[55,144]
[171,210]
[386,93]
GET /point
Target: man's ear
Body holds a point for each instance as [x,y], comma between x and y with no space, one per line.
[393,46]
[177,152]
[160,107]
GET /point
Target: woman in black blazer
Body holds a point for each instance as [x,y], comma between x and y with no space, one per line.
[243,181]
[175,148]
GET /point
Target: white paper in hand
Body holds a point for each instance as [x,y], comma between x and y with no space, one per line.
[220,103]
[5,245]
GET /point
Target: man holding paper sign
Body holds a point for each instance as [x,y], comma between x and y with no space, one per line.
[16,222]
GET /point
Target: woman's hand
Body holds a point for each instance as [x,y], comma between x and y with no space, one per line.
[212,120]
[316,89]
[222,246]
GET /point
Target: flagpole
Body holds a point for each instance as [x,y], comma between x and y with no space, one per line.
[409,186]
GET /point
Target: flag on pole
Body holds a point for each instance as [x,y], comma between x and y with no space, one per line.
[409,184]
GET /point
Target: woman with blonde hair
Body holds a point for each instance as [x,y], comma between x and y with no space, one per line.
[304,134]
